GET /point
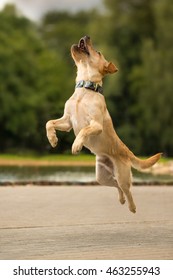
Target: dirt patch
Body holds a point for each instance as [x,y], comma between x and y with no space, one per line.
[35,162]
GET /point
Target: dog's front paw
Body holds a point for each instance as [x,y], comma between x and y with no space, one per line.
[76,147]
[53,140]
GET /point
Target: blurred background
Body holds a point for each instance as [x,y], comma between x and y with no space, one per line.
[37,73]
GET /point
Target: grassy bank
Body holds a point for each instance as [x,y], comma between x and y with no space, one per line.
[59,157]
[55,159]
[13,159]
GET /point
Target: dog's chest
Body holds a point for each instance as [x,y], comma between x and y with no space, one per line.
[79,115]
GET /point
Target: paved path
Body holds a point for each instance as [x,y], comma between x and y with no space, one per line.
[85,223]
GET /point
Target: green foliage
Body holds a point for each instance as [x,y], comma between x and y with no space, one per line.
[141,31]
[31,82]
[155,100]
[37,73]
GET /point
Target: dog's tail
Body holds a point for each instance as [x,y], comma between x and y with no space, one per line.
[138,163]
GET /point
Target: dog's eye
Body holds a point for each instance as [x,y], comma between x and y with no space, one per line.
[98,52]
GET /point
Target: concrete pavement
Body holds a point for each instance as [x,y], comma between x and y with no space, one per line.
[85,222]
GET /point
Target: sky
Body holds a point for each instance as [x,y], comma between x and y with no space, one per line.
[35,8]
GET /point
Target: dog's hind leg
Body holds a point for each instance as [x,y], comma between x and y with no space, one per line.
[124,181]
[105,175]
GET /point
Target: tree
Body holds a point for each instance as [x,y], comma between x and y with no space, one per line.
[128,24]
[31,81]
[155,97]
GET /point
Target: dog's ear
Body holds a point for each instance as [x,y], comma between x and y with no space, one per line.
[111,68]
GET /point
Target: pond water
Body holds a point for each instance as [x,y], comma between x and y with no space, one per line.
[68,174]
[46,174]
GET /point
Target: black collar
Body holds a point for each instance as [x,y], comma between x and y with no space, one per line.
[89,85]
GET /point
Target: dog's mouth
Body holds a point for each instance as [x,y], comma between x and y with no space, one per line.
[82,45]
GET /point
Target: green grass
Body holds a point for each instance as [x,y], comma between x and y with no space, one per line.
[58,157]
[70,157]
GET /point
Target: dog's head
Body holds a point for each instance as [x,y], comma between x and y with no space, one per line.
[85,56]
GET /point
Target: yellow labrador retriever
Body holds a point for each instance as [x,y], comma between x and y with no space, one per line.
[87,114]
